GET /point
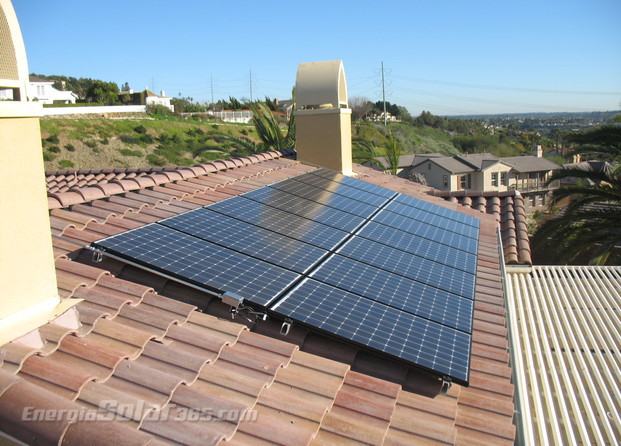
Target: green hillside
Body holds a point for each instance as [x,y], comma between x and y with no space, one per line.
[140,141]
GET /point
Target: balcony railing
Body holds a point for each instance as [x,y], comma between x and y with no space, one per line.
[534,185]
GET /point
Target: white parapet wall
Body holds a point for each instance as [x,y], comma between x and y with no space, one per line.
[56,111]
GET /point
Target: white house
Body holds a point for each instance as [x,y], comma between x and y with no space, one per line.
[42,90]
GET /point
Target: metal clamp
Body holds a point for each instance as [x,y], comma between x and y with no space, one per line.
[97,256]
[446,385]
[286,326]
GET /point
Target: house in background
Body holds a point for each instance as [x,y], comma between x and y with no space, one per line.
[146,97]
[485,172]
[42,90]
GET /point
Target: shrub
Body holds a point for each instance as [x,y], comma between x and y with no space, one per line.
[105,141]
[65,164]
[47,156]
[53,139]
[90,143]
[158,109]
[70,147]
[155,160]
[54,149]
[128,152]
[130,139]
[140,129]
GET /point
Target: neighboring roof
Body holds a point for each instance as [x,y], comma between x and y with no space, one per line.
[595,166]
[565,335]
[140,345]
[451,164]
[530,163]
[39,79]
[404,161]
[481,161]
[478,160]
[509,211]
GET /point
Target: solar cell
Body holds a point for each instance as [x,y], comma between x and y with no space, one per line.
[201,262]
[371,324]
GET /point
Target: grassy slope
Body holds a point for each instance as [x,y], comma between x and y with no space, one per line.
[137,142]
[102,143]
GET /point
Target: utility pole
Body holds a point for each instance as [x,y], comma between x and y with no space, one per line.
[384,94]
[250,85]
[211,79]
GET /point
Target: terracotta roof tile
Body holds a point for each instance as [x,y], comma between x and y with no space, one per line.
[139,347]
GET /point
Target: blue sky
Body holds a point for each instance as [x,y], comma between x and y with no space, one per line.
[447,57]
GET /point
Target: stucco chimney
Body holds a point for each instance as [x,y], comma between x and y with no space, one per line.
[538,151]
[28,289]
[323,121]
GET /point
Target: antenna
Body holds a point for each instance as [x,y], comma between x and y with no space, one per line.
[211,78]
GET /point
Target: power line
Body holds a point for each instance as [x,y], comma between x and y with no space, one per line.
[505,88]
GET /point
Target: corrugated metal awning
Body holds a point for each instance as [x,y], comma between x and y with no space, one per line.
[566,338]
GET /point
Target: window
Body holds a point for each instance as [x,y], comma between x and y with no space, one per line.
[465,181]
[532,201]
[503,178]
[494,179]
[445,181]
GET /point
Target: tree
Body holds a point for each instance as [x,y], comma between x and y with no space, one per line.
[363,152]
[360,107]
[603,142]
[104,92]
[591,224]
[269,131]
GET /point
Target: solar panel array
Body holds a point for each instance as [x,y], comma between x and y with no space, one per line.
[385,271]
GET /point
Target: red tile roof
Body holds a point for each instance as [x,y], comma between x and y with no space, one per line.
[159,356]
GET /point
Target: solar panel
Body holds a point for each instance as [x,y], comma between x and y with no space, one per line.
[327,198]
[247,239]
[408,265]
[372,324]
[397,291]
[419,246]
[384,271]
[292,225]
[200,262]
[306,208]
[427,231]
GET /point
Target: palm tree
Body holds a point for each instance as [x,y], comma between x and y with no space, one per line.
[363,152]
[269,131]
[393,154]
[591,223]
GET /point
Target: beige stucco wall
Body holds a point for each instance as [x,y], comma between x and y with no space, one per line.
[27,274]
[323,138]
[487,178]
[434,175]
